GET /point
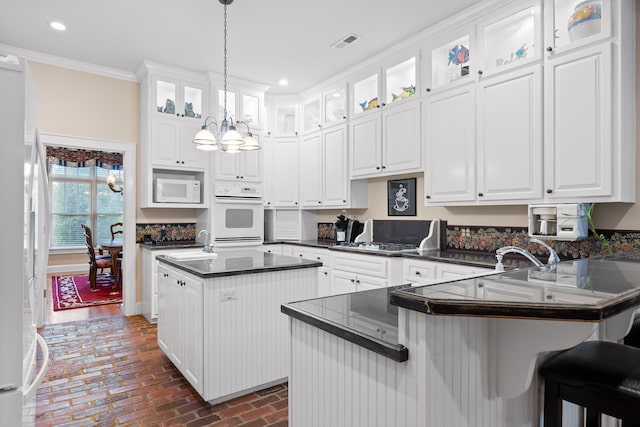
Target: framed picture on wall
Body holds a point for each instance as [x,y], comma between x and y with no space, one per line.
[401,197]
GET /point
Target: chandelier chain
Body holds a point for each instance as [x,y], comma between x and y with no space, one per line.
[225,61]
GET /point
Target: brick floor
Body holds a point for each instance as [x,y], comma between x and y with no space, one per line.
[110,372]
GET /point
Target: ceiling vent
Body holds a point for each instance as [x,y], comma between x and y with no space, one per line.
[345,41]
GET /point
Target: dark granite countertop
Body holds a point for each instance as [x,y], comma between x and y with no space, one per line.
[474,259]
[590,289]
[365,318]
[233,263]
[171,244]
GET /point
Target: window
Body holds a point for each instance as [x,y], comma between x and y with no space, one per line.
[80,195]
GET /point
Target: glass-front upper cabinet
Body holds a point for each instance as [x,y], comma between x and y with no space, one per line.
[400,81]
[286,120]
[251,105]
[449,62]
[365,94]
[177,98]
[396,81]
[509,38]
[335,106]
[311,117]
[573,23]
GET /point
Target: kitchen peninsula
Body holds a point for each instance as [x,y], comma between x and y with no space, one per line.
[457,353]
[219,318]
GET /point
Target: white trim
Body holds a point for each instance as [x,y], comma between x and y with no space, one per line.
[51,269]
[72,64]
[128,149]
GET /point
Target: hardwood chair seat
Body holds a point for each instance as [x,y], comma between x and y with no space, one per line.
[603,377]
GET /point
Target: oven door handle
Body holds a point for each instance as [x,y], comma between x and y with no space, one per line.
[238,200]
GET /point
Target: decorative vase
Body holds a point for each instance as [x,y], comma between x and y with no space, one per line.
[585,19]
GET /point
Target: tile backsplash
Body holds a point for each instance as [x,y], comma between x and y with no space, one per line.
[172,232]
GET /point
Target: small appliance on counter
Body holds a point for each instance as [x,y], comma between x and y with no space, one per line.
[346,230]
[341,228]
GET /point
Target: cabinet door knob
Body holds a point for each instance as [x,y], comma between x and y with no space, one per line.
[237,176]
[549,49]
[383,104]
[480,194]
[418,273]
[319,202]
[479,72]
[344,117]
[296,203]
[549,191]
[427,196]
[325,273]
[428,89]
[344,201]
[182,162]
[300,255]
[319,125]
[384,167]
[378,167]
[378,106]
[353,281]
[268,203]
[318,258]
[178,162]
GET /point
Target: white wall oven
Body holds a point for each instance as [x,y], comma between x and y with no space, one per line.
[238,216]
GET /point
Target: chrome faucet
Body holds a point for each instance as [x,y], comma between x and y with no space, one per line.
[553,256]
[208,247]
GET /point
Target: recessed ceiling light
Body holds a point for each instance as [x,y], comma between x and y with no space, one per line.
[58,26]
[283,82]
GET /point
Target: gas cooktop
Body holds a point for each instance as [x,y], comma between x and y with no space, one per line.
[380,247]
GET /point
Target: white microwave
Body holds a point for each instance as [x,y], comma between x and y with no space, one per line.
[176,190]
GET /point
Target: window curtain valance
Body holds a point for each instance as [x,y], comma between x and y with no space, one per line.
[83,158]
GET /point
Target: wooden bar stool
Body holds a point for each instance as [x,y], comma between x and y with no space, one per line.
[603,377]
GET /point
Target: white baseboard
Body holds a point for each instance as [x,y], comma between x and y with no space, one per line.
[67,268]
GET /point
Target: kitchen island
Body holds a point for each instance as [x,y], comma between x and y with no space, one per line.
[473,345]
[219,318]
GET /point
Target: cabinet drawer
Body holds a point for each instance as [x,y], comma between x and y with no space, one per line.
[370,265]
[421,272]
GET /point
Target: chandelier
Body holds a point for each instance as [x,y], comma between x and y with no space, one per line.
[230,139]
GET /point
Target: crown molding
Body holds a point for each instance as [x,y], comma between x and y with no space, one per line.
[59,61]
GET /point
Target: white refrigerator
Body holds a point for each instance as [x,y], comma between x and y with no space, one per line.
[23,251]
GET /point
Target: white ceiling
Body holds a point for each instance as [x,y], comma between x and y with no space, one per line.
[267,40]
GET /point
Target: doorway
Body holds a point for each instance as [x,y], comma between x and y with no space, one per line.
[128,150]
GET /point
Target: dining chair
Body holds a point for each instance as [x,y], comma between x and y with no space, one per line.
[96,261]
[116,229]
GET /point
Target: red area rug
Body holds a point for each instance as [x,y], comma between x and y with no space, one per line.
[74,292]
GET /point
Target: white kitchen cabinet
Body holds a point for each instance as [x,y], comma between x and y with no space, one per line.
[562,36]
[324,175]
[245,166]
[578,124]
[421,272]
[386,142]
[268,163]
[385,126]
[311,165]
[509,135]
[245,102]
[311,115]
[285,172]
[180,323]
[450,158]
[352,272]
[286,120]
[495,138]
[173,105]
[324,282]
[150,279]
[173,144]
[334,106]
